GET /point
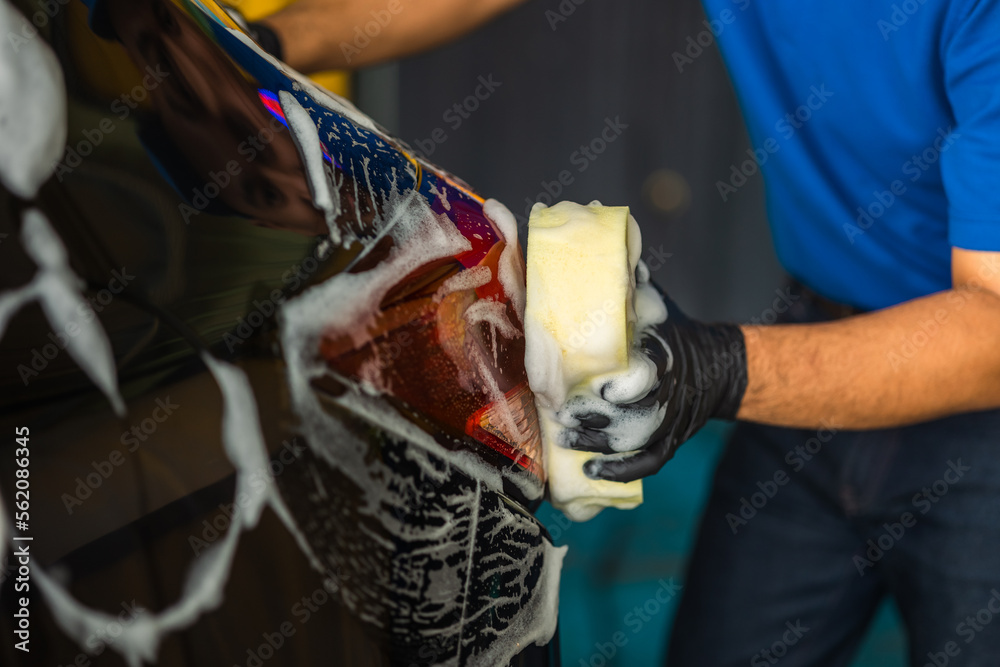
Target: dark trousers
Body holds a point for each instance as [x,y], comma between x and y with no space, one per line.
[806,532]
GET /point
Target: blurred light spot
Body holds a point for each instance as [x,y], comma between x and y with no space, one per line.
[667,192]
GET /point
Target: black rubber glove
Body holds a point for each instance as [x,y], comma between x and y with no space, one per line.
[701,374]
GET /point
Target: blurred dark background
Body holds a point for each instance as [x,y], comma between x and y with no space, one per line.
[560,84]
[559,78]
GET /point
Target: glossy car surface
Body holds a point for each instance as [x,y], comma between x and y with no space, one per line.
[328,453]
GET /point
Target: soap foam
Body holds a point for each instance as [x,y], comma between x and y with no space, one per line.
[57,289]
[32,107]
[303,131]
[494,313]
[510,274]
[470,279]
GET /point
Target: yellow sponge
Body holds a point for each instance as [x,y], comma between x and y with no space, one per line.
[579,321]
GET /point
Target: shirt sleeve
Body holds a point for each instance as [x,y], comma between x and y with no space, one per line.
[970,164]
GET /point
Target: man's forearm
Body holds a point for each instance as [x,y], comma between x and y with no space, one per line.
[336,34]
[927,358]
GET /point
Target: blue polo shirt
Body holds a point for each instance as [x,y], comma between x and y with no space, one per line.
[876,126]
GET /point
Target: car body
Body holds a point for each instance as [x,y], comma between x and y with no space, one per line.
[312,441]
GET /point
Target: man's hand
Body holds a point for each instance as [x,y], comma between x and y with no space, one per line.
[924,359]
[700,374]
[331,34]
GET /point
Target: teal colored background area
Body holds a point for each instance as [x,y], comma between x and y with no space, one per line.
[618,560]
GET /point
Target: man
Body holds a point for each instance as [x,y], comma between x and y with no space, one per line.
[866,461]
